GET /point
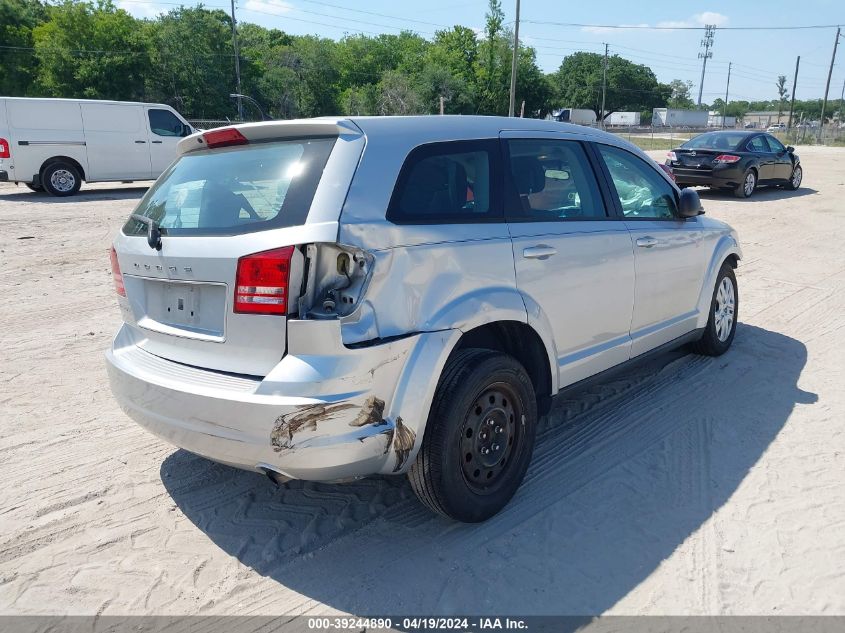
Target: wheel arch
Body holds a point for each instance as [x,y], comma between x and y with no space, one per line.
[61,159]
[728,252]
[414,393]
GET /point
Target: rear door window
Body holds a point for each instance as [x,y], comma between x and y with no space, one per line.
[553,181]
[758,144]
[453,182]
[236,190]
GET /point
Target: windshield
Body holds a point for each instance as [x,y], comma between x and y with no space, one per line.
[718,140]
[236,190]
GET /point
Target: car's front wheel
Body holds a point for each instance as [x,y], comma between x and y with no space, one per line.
[721,322]
[795,179]
[479,437]
[748,184]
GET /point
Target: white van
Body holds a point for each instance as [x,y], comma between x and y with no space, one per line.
[54,144]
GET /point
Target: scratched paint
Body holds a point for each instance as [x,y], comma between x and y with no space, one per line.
[403,442]
[306,418]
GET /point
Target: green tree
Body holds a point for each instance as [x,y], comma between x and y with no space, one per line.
[493,67]
[680,96]
[630,87]
[87,50]
[396,95]
[783,94]
[18,62]
[191,62]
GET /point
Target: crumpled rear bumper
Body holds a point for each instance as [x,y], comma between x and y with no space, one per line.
[319,417]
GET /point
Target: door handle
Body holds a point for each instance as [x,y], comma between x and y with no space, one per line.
[541,251]
[646,242]
[158,142]
[140,141]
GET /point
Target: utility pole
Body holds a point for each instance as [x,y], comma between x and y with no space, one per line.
[237,64]
[512,102]
[794,85]
[522,110]
[603,86]
[827,86]
[707,43]
[442,100]
[727,87]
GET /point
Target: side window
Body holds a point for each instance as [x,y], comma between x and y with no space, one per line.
[642,192]
[758,144]
[554,181]
[446,182]
[775,145]
[165,123]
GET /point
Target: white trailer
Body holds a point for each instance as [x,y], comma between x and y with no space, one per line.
[673,117]
[55,144]
[581,116]
[624,118]
[715,120]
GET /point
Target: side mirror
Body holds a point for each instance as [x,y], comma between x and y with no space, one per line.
[690,204]
[187,130]
[790,149]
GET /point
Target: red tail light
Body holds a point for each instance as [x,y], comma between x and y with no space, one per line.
[4,149]
[224,137]
[672,156]
[726,158]
[117,276]
[262,282]
[668,170]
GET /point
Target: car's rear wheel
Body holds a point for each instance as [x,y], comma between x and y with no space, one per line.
[748,184]
[795,179]
[721,323]
[61,179]
[479,437]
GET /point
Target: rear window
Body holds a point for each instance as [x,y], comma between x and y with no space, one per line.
[236,190]
[451,182]
[719,140]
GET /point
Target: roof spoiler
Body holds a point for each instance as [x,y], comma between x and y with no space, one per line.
[277,131]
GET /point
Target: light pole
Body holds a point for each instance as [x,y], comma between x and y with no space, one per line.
[239,96]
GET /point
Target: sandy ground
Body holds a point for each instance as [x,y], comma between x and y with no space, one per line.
[689,486]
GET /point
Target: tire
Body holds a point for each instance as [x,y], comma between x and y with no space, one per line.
[716,340]
[482,396]
[794,183]
[748,184]
[36,188]
[61,179]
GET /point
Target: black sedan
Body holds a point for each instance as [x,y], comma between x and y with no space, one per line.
[737,161]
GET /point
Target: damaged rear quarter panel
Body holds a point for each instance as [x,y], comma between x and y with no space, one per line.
[351,389]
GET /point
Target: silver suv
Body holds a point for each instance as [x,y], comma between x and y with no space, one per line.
[329,299]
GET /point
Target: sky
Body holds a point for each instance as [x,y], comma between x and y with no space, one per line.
[758,56]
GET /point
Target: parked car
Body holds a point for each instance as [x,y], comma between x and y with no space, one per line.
[776,127]
[735,161]
[751,125]
[298,305]
[54,144]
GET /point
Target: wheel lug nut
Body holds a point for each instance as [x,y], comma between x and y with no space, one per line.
[498,429]
[495,447]
[484,451]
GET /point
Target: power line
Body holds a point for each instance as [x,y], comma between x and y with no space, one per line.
[680,28]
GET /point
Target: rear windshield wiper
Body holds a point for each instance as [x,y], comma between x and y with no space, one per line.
[154,232]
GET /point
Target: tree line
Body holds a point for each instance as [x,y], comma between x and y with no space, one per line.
[94,50]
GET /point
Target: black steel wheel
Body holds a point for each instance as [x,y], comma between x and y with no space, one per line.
[479,437]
